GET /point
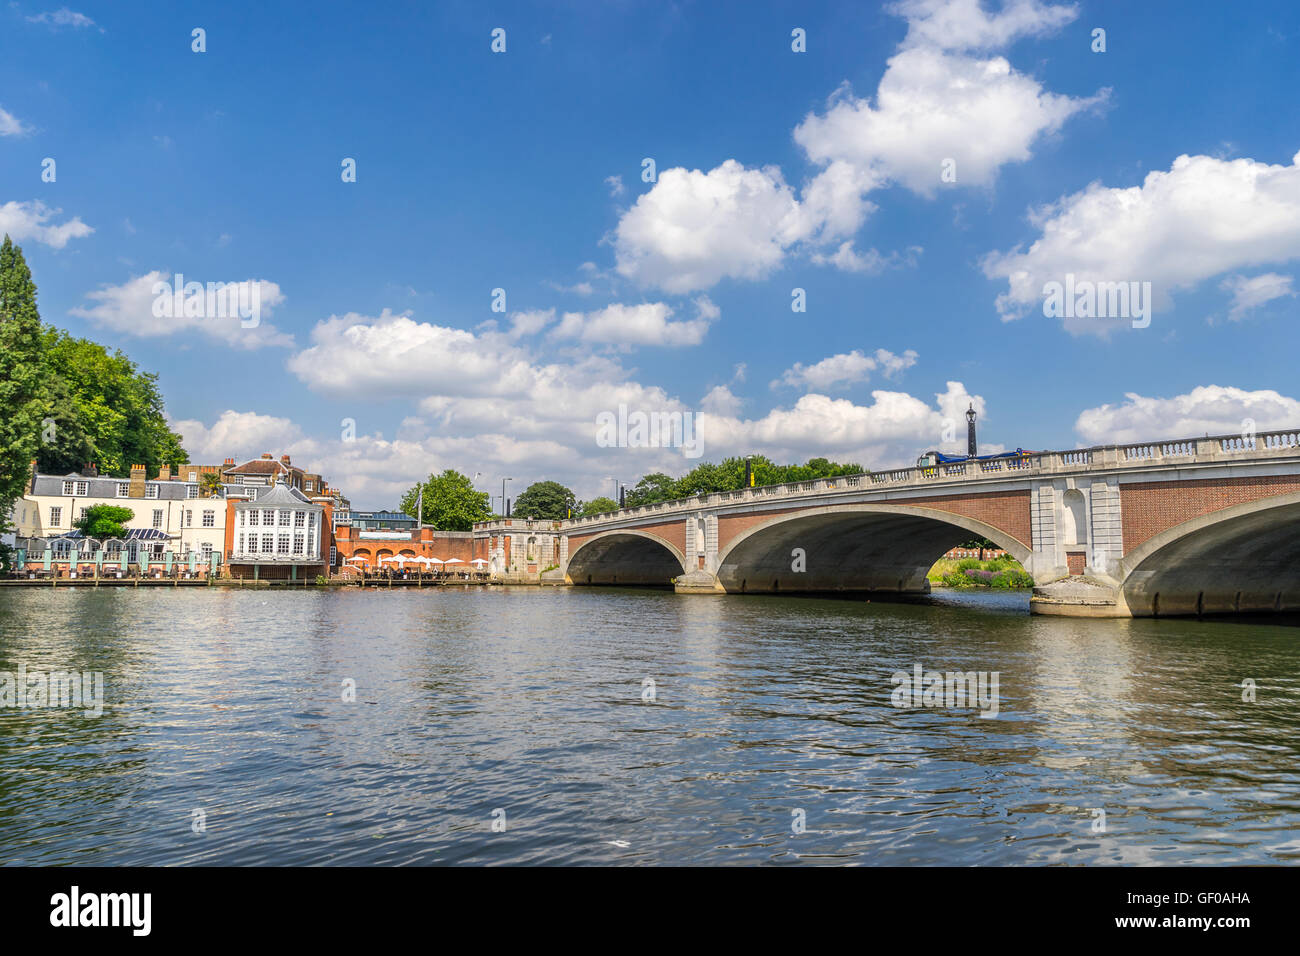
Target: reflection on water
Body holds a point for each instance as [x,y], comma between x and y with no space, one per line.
[530,700]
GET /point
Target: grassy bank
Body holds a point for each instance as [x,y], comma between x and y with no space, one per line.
[1003,573]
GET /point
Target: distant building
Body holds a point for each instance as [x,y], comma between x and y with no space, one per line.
[280,534]
[266,471]
[372,536]
[177,521]
[181,518]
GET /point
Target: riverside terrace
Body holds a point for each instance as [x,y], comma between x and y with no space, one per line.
[1189,526]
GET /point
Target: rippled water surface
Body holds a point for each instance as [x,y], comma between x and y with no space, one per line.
[529,701]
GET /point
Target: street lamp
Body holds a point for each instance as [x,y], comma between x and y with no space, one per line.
[503,496]
[970,431]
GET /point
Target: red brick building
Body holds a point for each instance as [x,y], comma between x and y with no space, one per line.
[372,546]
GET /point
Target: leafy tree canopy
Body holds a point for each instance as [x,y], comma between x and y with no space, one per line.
[729,475]
[104,521]
[107,411]
[67,402]
[450,502]
[544,499]
[22,390]
[597,506]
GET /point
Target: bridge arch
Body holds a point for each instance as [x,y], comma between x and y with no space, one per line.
[1240,559]
[625,556]
[852,547]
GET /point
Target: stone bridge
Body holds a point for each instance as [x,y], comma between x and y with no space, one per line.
[1197,526]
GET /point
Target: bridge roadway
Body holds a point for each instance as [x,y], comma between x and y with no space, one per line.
[1194,526]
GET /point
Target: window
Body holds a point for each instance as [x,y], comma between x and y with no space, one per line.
[189,519]
[194,476]
[268,544]
[284,519]
[151,491]
[311,485]
[334,555]
[124,489]
[283,547]
[82,487]
[209,519]
[300,519]
[207,551]
[252,519]
[241,544]
[56,517]
[297,544]
[191,491]
[67,487]
[157,517]
[82,514]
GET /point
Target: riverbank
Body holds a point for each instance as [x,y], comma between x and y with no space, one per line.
[1002,573]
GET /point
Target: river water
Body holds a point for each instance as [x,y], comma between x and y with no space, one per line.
[226,739]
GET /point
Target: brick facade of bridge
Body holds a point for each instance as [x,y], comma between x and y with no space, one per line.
[1007,511]
[1152,507]
[672,532]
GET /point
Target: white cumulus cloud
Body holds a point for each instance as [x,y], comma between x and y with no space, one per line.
[31,220]
[130,308]
[1250,293]
[1205,410]
[845,368]
[1203,217]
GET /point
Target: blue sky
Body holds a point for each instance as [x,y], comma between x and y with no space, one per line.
[776,170]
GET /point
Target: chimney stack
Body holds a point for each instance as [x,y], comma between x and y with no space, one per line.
[137,481]
[164,472]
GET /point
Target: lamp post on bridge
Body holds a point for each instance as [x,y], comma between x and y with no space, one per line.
[970,431]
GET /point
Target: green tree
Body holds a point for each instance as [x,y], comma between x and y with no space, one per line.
[210,483]
[450,502]
[104,521]
[109,399]
[598,506]
[729,475]
[980,544]
[650,490]
[544,499]
[22,387]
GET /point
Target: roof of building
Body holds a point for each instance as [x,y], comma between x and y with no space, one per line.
[279,495]
[52,485]
[140,534]
[258,466]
